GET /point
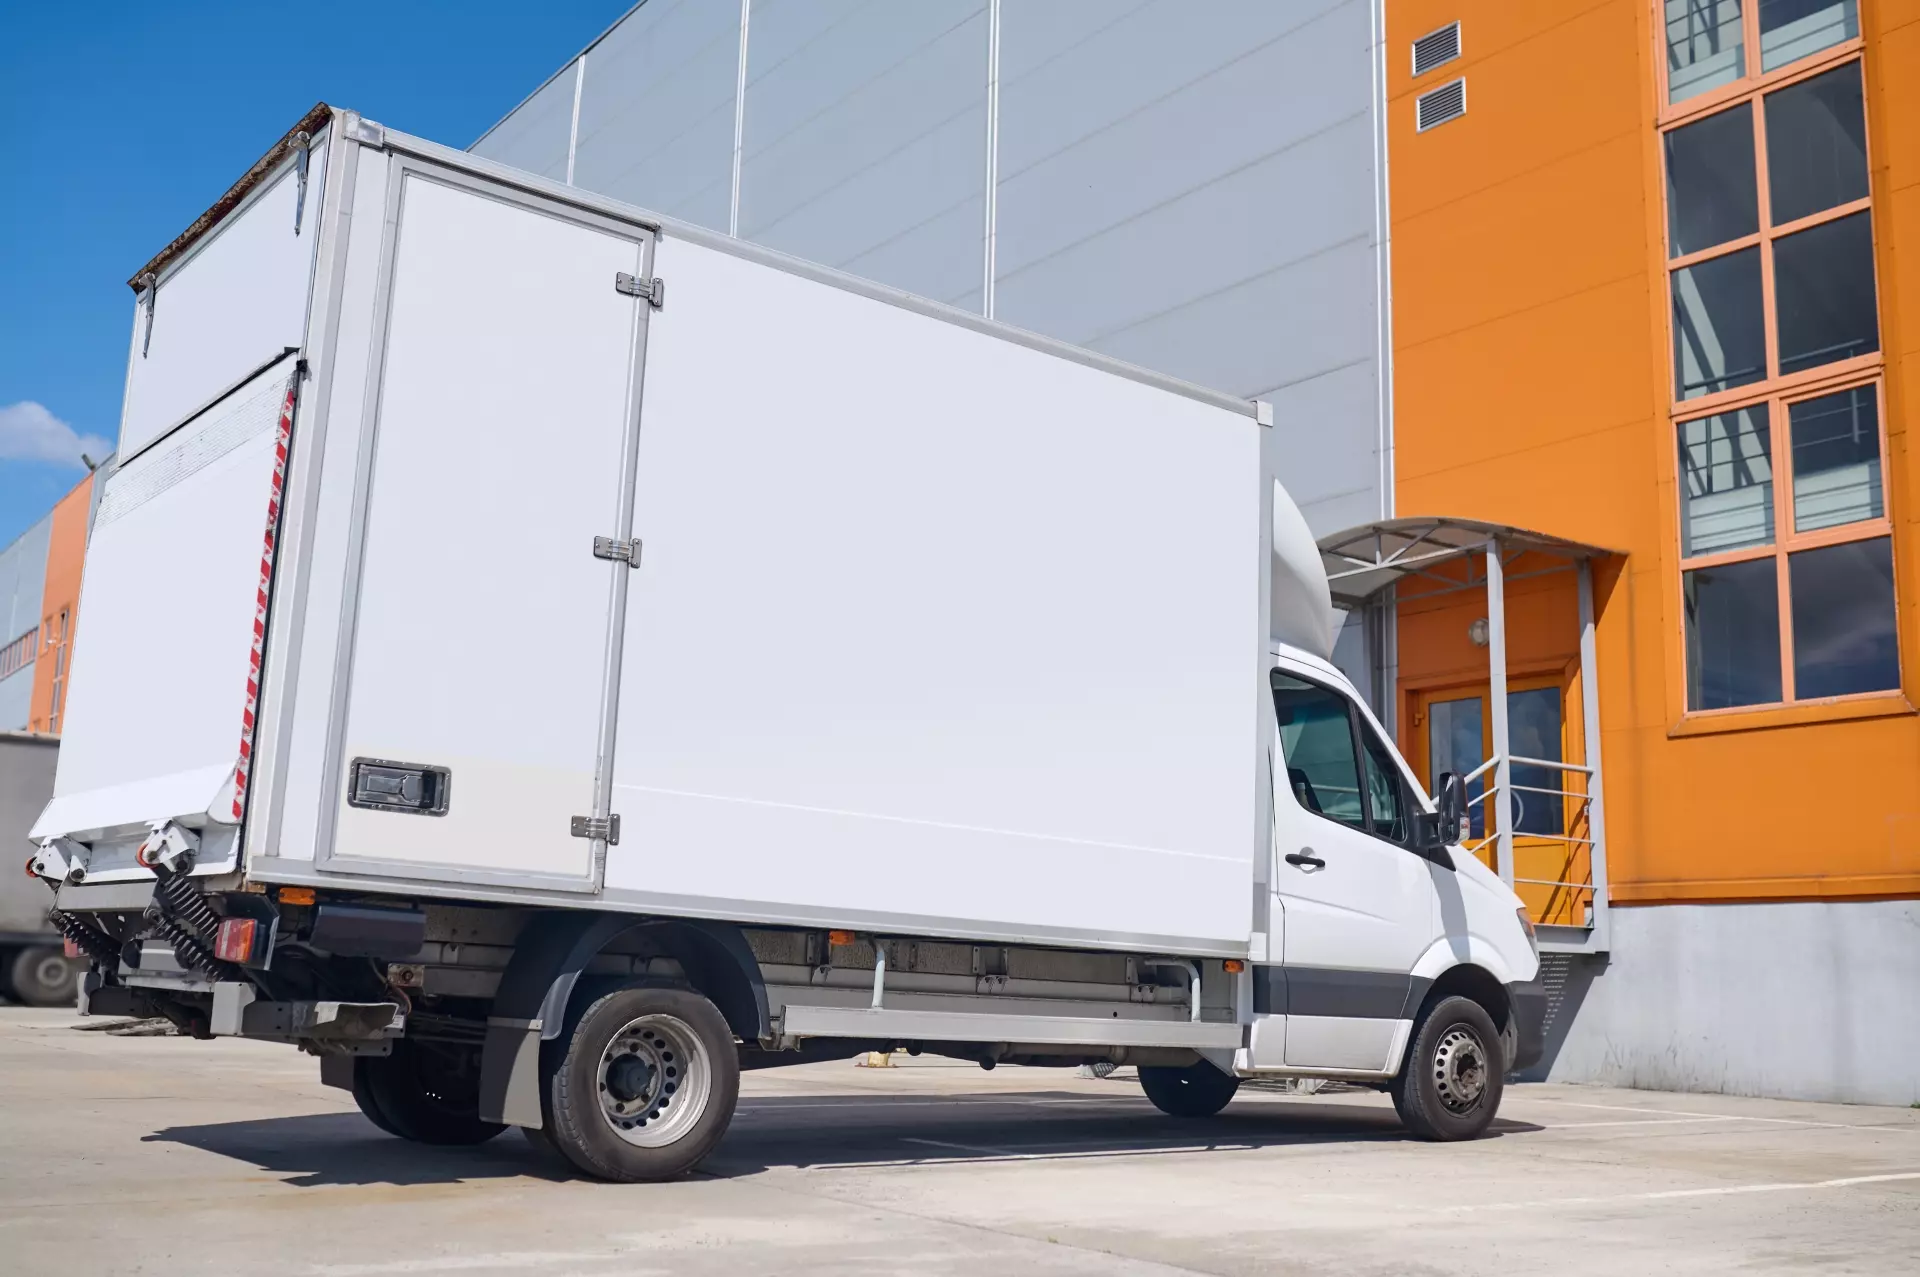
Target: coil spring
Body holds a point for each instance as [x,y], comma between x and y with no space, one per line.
[189,951]
[95,944]
[184,904]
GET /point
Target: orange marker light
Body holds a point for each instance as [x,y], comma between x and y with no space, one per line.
[296,895]
[1234,966]
[840,937]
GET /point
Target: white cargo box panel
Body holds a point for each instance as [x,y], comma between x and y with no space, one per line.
[233,301]
[934,630]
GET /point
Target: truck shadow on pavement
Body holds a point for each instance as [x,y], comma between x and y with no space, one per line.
[826,1133]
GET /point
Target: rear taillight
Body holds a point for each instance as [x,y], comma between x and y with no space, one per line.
[234,942]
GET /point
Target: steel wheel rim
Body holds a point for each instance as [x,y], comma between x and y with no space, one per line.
[654,1079]
[1460,1069]
[50,972]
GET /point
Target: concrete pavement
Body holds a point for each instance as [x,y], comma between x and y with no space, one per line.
[165,1155]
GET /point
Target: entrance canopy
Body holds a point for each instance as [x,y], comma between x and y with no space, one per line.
[1362,561]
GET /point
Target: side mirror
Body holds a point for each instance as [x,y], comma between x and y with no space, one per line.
[1451,798]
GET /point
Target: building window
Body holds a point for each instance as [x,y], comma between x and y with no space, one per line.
[1786,552]
[1770,236]
[19,654]
[1786,555]
[1707,40]
[57,640]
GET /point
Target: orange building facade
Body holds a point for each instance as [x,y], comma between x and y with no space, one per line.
[40,606]
[1656,291]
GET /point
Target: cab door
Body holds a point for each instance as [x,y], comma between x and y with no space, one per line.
[1359,904]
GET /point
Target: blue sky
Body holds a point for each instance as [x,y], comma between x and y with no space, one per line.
[120,123]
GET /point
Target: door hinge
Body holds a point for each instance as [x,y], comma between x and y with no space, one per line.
[627,552]
[151,287]
[303,147]
[654,289]
[598,827]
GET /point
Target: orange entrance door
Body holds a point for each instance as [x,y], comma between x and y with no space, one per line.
[1453,732]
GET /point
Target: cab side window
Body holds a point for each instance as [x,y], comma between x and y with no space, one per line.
[1336,765]
[1316,739]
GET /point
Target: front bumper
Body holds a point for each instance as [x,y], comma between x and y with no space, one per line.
[1527,1002]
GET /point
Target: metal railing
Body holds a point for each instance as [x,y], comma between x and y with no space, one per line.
[1567,846]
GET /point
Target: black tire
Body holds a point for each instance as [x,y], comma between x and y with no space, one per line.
[41,976]
[364,1097]
[1198,1090]
[631,1056]
[1450,1084]
[425,1092]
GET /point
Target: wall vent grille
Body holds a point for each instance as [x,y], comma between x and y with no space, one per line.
[1436,48]
[1448,102]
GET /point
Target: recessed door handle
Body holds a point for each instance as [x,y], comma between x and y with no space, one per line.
[1305,857]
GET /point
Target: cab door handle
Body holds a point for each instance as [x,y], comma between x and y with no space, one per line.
[1305,857]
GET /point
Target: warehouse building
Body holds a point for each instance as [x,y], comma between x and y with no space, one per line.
[1583,326]
[40,612]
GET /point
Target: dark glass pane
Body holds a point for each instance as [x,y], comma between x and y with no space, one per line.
[1719,332]
[1386,792]
[1816,144]
[1533,731]
[1710,182]
[1823,288]
[1454,745]
[1726,482]
[1703,46]
[1792,29]
[1836,459]
[1316,741]
[1733,635]
[1843,622]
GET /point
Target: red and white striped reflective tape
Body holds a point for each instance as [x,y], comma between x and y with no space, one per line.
[282,438]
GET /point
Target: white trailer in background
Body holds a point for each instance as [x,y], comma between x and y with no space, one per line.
[543,659]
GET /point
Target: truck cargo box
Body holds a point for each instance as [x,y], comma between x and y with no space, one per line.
[482,537]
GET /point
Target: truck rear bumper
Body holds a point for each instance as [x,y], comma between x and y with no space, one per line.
[1528,1001]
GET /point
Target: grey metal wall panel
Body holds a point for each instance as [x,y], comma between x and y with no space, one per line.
[657,107]
[535,136]
[865,139]
[23,580]
[16,701]
[1193,188]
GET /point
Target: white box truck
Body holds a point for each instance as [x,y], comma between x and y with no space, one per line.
[543,659]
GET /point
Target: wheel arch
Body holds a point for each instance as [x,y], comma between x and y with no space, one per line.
[552,952]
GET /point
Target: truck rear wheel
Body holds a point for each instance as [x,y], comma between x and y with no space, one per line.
[1450,1085]
[645,1087]
[424,1092]
[44,977]
[1198,1090]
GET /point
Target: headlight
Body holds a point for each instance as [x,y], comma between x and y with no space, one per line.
[1526,925]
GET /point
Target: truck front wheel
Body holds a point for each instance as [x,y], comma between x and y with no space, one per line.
[646,1085]
[1198,1090]
[44,977]
[1449,1088]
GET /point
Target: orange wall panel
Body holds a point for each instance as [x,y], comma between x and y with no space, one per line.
[66,549]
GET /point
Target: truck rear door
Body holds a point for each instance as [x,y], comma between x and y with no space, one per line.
[476,684]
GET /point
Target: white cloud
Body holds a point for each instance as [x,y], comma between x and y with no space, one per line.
[28,432]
